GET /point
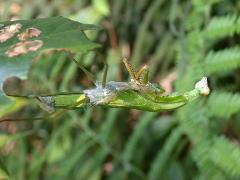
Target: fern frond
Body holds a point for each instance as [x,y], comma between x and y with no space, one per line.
[194,122]
[224,104]
[220,27]
[223,60]
[108,125]
[213,176]
[226,156]
[207,169]
[131,145]
[217,156]
[163,155]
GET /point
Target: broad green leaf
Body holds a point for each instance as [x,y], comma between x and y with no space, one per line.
[54,33]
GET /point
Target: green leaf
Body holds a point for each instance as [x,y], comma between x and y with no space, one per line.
[4,175]
[222,60]
[54,33]
[222,26]
[219,108]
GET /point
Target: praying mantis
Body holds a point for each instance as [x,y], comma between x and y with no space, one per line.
[138,93]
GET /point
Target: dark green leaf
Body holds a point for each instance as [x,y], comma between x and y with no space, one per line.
[57,33]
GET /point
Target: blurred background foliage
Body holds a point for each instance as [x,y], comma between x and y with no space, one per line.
[181,41]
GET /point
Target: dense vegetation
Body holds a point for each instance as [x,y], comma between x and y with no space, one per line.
[181,41]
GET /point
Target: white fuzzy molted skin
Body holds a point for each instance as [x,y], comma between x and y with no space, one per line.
[100,95]
[202,86]
[9,31]
[46,103]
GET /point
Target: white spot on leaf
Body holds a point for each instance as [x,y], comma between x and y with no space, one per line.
[24,47]
[9,31]
[29,33]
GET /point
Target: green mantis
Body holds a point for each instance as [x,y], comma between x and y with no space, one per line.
[138,93]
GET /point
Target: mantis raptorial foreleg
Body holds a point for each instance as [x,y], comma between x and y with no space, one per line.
[130,69]
[141,76]
[140,80]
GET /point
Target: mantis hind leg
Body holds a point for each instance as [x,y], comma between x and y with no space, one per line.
[104,80]
[88,73]
[52,115]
